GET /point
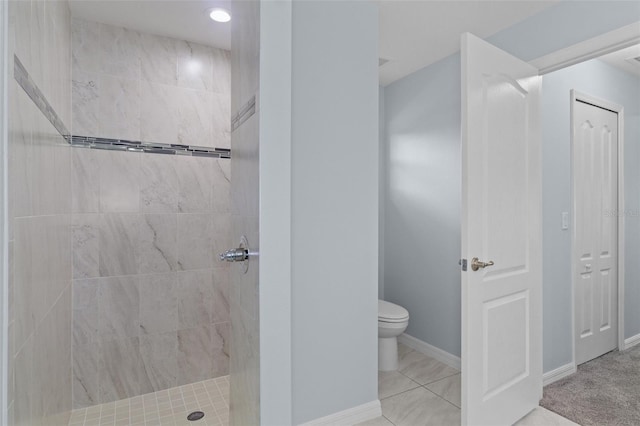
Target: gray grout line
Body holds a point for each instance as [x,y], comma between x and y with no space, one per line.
[441,378]
[441,397]
[425,388]
[389,420]
[409,378]
[421,386]
[400,393]
[428,383]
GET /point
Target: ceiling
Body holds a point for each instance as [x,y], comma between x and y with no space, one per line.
[181,19]
[625,59]
[413,34]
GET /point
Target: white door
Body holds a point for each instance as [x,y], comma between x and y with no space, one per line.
[595,203]
[501,223]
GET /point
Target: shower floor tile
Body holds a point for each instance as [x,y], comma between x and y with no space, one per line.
[168,407]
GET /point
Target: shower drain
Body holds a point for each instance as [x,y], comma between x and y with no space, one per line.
[196,415]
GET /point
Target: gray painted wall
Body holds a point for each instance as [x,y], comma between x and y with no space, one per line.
[275,213]
[334,208]
[422,207]
[598,79]
[381,188]
[422,185]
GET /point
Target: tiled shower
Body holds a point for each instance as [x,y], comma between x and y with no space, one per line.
[115,291]
[151,308]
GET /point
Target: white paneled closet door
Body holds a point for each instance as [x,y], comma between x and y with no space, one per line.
[595,204]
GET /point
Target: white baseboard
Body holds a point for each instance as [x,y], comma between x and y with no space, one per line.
[559,373]
[632,341]
[570,368]
[351,416]
[427,349]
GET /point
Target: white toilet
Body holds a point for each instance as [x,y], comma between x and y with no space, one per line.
[392,322]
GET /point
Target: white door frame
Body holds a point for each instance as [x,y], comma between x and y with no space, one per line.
[620,38]
[612,41]
[619,110]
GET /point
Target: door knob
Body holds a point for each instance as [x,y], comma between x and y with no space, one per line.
[476,264]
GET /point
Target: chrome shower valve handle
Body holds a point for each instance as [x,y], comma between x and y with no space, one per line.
[239,254]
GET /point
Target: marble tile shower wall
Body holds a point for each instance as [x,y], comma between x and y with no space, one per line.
[136,86]
[40,258]
[150,299]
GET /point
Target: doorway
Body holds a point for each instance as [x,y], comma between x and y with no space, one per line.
[601,199]
[596,199]
[405,174]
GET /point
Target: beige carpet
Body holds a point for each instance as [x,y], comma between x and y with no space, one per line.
[604,391]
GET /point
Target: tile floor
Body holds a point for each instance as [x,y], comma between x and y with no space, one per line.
[424,391]
[164,408]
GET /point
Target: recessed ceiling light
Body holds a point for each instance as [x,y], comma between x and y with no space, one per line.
[219,14]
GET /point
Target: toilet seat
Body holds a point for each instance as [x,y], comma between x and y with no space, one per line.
[393,320]
[391,313]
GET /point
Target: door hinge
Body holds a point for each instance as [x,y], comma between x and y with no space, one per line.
[463,264]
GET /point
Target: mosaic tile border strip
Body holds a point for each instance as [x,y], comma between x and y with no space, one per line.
[35,94]
[244,113]
[154,148]
[33,91]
